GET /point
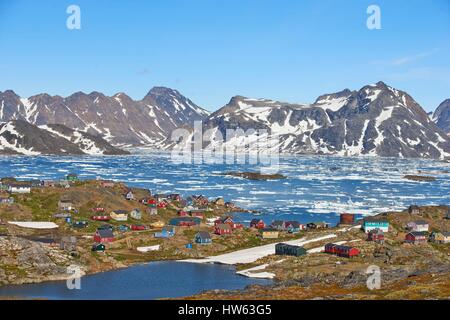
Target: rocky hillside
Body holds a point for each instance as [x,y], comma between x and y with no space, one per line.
[442,116]
[118,119]
[21,137]
[376,120]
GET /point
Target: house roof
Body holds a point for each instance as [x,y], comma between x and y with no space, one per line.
[418,234]
[295,224]
[373,219]
[278,223]
[105,233]
[204,235]
[120,212]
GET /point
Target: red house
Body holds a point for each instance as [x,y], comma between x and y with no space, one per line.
[102,236]
[376,235]
[416,237]
[222,229]
[341,251]
[257,223]
[138,227]
[101,218]
[182,213]
[98,209]
[229,221]
[197,213]
[162,205]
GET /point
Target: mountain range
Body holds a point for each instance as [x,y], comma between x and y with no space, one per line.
[376,120]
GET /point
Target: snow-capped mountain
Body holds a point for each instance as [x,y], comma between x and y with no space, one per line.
[442,116]
[118,119]
[22,137]
[376,120]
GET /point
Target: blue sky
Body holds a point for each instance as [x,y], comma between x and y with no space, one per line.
[211,50]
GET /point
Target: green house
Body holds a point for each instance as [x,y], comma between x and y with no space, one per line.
[370,224]
[72,177]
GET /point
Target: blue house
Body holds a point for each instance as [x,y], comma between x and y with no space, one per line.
[370,224]
[203,237]
[166,232]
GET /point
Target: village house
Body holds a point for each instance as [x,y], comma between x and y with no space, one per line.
[219,202]
[440,237]
[80,224]
[48,183]
[279,225]
[182,213]
[222,229]
[152,210]
[129,195]
[162,205]
[104,236]
[228,220]
[157,224]
[413,209]
[98,247]
[166,232]
[107,184]
[418,226]
[6,200]
[203,237]
[371,224]
[341,251]
[148,200]
[136,214]
[72,177]
[269,233]
[101,218]
[257,223]
[98,209]
[376,235]
[65,204]
[283,249]
[200,200]
[317,225]
[68,243]
[35,183]
[119,215]
[199,213]
[416,237]
[185,221]
[20,188]
[294,226]
[174,197]
[64,183]
[138,227]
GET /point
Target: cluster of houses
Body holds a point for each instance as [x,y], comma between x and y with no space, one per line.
[418,231]
[24,187]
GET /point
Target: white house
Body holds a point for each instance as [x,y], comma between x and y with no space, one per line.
[19,188]
[418,226]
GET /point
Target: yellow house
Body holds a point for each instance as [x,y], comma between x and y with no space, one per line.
[440,237]
[269,233]
[119,215]
[157,224]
